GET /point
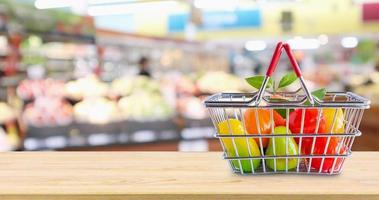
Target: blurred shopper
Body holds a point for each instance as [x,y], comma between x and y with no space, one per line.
[377,65]
[144,67]
[258,68]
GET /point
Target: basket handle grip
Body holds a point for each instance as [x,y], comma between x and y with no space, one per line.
[292,59]
[276,56]
[272,67]
[275,59]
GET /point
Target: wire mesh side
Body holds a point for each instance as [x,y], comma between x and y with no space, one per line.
[252,146]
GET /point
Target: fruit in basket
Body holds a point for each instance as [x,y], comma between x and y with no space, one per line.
[334,142]
[278,119]
[338,125]
[320,143]
[264,123]
[310,123]
[331,149]
[242,144]
[309,126]
[277,147]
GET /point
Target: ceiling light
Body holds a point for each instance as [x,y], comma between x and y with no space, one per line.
[349,42]
[299,43]
[132,8]
[323,39]
[255,45]
[46,4]
[228,5]
[109,1]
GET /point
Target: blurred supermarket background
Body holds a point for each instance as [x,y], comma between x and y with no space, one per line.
[132,74]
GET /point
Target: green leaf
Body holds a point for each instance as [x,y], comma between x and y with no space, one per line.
[319,94]
[287,80]
[282,112]
[256,81]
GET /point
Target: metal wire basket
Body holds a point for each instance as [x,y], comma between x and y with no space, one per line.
[315,137]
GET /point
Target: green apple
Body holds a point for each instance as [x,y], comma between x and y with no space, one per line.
[242,145]
[280,150]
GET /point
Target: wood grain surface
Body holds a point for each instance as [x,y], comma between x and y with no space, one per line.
[171,175]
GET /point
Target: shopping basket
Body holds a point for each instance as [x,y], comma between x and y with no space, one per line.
[304,146]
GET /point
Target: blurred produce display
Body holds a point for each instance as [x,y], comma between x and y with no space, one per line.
[58,22]
[192,108]
[10,130]
[48,111]
[128,85]
[5,141]
[97,110]
[145,106]
[219,81]
[365,52]
[88,106]
[7,113]
[186,85]
[36,52]
[30,89]
[89,86]
[368,86]
[140,98]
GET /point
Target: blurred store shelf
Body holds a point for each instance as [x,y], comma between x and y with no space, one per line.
[193,145]
[126,133]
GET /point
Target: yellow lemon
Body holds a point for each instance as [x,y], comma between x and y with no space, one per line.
[241,146]
[339,124]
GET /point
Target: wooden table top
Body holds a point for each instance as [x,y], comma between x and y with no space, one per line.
[171,175]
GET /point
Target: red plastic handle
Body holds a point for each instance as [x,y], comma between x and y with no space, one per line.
[275,59]
[292,59]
